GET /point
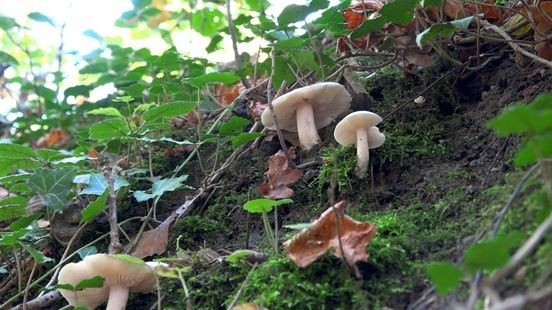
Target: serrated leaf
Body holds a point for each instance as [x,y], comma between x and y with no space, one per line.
[160,187]
[39,17]
[214,77]
[168,110]
[244,137]
[90,250]
[539,146]
[444,276]
[16,151]
[55,185]
[94,208]
[531,118]
[38,256]
[109,129]
[234,126]
[264,205]
[105,111]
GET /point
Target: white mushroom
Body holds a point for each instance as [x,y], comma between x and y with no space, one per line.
[307,109]
[120,278]
[359,128]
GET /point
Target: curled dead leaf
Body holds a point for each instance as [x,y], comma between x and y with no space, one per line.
[55,137]
[314,242]
[279,175]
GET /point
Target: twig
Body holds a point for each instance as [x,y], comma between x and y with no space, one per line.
[291,164]
[232,31]
[41,302]
[242,287]
[115,245]
[520,301]
[513,45]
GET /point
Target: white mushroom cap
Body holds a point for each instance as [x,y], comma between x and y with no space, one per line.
[307,109]
[358,128]
[345,131]
[328,99]
[135,277]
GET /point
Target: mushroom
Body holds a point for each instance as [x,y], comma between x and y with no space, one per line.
[120,277]
[307,109]
[359,128]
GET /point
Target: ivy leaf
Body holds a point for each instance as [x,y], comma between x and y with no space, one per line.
[264,205]
[90,250]
[97,184]
[39,17]
[445,30]
[94,208]
[109,129]
[160,187]
[7,59]
[234,126]
[105,111]
[444,276]
[168,110]
[214,77]
[55,185]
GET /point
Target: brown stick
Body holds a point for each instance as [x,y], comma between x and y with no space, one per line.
[115,245]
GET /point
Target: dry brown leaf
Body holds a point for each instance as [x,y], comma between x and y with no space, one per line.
[154,241]
[225,95]
[248,306]
[55,137]
[314,242]
[279,175]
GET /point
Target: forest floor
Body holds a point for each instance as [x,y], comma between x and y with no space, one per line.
[435,187]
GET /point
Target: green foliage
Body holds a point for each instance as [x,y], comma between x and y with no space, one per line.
[279,284]
[338,163]
[55,185]
[159,187]
[445,277]
[445,30]
[264,205]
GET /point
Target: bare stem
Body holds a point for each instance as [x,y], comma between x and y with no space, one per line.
[115,245]
[306,128]
[363,153]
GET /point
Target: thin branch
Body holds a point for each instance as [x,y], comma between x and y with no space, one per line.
[115,245]
[232,31]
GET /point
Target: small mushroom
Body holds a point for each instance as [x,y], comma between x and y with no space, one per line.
[359,128]
[120,278]
[307,109]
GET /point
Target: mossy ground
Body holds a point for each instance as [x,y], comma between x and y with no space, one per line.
[435,185]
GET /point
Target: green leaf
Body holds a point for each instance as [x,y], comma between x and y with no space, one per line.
[12,207]
[97,184]
[109,129]
[428,3]
[11,238]
[83,90]
[55,185]
[445,30]
[105,111]
[16,151]
[160,187]
[292,43]
[293,13]
[238,255]
[234,126]
[96,281]
[531,118]
[168,110]
[491,254]
[214,77]
[264,205]
[97,67]
[399,11]
[282,71]
[207,21]
[94,208]
[38,256]
[258,5]
[39,17]
[129,258]
[7,23]
[444,276]
[244,137]
[539,146]
[24,222]
[90,250]
[7,59]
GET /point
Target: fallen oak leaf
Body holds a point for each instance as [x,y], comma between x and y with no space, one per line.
[314,242]
[154,241]
[279,175]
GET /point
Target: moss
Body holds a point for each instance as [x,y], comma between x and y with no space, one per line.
[327,284]
[337,163]
[192,231]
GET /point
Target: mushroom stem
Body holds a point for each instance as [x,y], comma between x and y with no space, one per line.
[118,296]
[363,153]
[306,128]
